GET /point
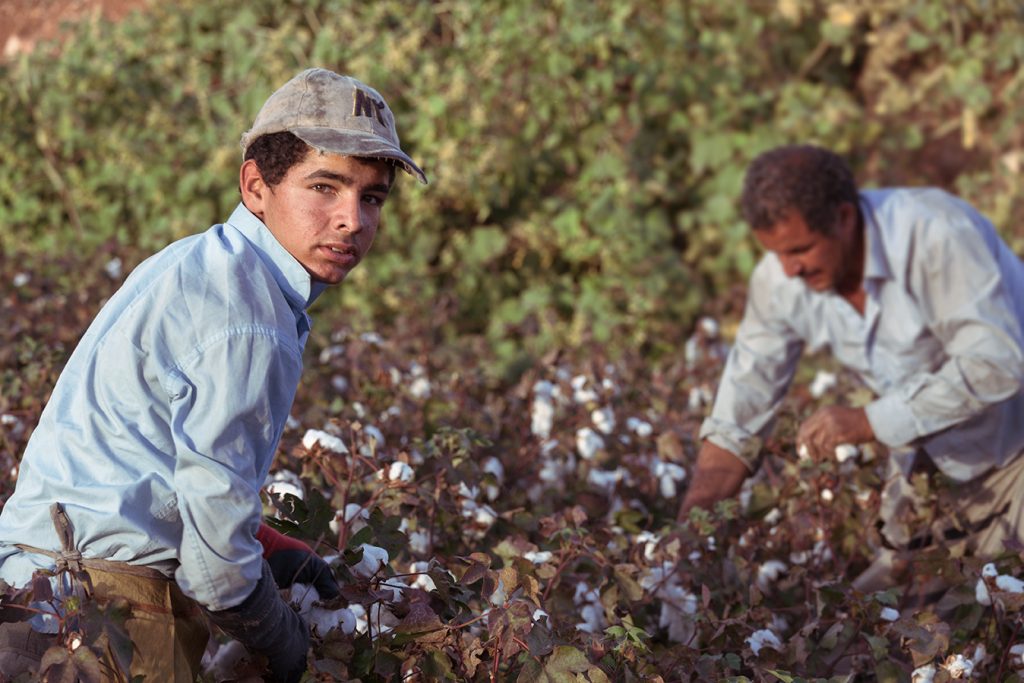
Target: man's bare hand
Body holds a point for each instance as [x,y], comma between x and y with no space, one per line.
[718,474]
[831,426]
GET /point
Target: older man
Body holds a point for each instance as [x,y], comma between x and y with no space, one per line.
[914,291]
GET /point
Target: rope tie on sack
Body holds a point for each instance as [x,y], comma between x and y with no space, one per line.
[70,559]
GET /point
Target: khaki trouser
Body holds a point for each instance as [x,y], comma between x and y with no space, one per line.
[168,630]
[970,519]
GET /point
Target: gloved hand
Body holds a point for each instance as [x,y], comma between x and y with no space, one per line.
[266,625]
[292,561]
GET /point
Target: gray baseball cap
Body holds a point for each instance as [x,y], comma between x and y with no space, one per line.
[333,113]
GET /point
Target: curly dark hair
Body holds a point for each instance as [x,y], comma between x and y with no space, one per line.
[275,153]
[805,178]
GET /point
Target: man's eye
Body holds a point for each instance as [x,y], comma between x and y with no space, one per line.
[320,187]
[373,199]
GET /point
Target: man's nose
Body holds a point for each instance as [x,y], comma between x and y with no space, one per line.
[348,216]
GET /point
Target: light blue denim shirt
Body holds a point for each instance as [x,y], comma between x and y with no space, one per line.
[940,341]
[163,424]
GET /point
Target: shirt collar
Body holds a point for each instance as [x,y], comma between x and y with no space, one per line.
[298,287]
[876,264]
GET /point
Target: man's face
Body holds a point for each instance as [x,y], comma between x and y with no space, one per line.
[825,262]
[325,211]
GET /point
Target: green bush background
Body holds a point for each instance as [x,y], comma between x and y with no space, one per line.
[585,155]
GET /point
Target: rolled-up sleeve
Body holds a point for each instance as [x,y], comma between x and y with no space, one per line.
[957,280]
[229,404]
[757,374]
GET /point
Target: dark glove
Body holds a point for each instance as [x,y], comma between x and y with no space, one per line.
[266,625]
[292,561]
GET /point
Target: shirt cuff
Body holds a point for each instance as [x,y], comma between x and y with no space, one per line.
[892,421]
[746,447]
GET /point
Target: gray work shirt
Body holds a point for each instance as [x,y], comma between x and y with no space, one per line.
[940,342]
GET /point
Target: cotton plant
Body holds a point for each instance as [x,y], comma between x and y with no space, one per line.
[705,345]
[542,411]
[397,472]
[764,638]
[603,419]
[669,476]
[823,383]
[588,443]
[372,562]
[494,467]
[769,573]
[325,440]
[641,428]
[678,605]
[995,587]
[355,516]
[590,609]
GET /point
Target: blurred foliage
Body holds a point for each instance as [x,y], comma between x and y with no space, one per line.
[585,157]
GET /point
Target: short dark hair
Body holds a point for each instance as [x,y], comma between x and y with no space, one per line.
[805,178]
[275,154]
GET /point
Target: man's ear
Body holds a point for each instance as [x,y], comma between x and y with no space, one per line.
[254,188]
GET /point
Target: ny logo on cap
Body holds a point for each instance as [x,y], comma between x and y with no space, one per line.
[366,105]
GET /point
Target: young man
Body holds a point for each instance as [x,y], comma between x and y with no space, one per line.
[143,476]
[914,291]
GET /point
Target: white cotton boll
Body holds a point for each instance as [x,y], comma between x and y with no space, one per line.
[827,496]
[593,619]
[419,541]
[467,491]
[1009,584]
[542,416]
[773,517]
[1017,657]
[291,423]
[603,419]
[396,471]
[650,543]
[709,327]
[699,397]
[284,482]
[359,612]
[323,620]
[374,559]
[303,596]
[222,664]
[539,614]
[763,638]
[422,580]
[113,268]
[331,352]
[581,393]
[339,384]
[639,427]
[958,667]
[803,452]
[485,515]
[846,451]
[494,467]
[923,674]
[420,388]
[314,437]
[20,280]
[823,383]
[373,434]
[605,479]
[989,571]
[889,614]
[372,338]
[606,383]
[588,443]
[538,556]
[500,594]
[770,572]
[668,474]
